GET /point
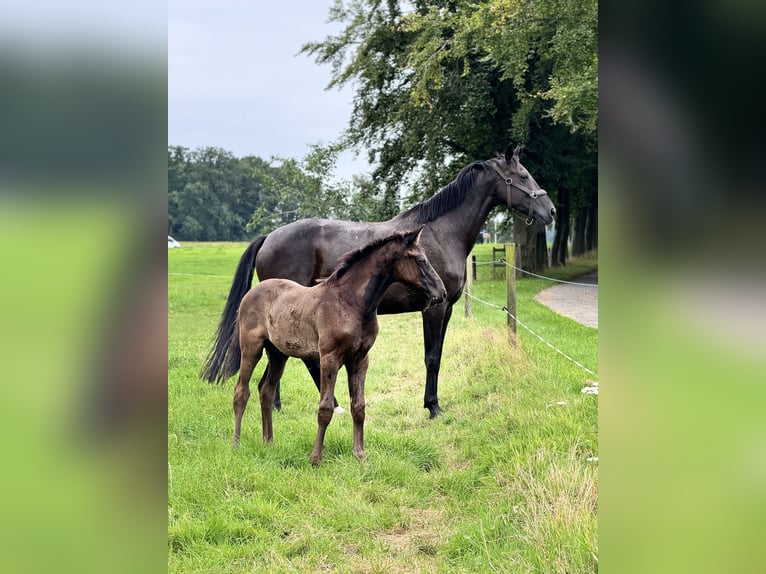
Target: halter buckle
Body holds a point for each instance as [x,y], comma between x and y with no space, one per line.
[508,181]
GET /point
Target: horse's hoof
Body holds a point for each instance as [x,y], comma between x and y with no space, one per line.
[361,455]
[315,460]
[339,410]
[434,411]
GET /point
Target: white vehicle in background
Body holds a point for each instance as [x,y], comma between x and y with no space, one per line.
[172,243]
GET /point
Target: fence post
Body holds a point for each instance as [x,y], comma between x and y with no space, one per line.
[468,289]
[510,286]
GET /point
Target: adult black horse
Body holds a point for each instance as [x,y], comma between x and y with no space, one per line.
[307,250]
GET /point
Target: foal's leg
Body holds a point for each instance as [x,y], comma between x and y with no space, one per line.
[313,367]
[329,365]
[356,376]
[251,354]
[268,387]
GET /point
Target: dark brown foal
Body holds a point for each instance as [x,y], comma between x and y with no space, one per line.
[334,322]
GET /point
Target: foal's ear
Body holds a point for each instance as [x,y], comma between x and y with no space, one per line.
[511,152]
[414,236]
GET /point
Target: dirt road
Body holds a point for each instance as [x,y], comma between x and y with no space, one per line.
[574,301]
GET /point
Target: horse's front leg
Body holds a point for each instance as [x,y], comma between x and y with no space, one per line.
[328,365]
[313,367]
[357,372]
[435,321]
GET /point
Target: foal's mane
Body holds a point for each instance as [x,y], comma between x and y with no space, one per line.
[448,197]
[347,260]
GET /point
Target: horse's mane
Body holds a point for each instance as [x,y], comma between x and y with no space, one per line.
[448,197]
[347,260]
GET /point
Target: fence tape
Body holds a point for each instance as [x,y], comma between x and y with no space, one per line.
[549,278]
[502,261]
[201,275]
[575,361]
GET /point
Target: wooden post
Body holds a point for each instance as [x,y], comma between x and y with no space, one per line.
[510,285]
[468,289]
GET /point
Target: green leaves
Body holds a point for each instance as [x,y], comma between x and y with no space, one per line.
[449,82]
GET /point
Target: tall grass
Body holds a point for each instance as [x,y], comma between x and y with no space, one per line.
[499,483]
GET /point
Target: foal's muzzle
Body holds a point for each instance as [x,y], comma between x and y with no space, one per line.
[438,299]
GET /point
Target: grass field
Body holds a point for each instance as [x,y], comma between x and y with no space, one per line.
[499,483]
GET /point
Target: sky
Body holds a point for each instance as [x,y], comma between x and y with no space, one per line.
[236,79]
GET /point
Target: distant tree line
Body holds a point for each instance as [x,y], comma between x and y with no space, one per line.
[215,196]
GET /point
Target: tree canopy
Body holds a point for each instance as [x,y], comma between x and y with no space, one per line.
[440,84]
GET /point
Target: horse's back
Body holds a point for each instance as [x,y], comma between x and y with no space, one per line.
[267,294]
[309,249]
[285,312]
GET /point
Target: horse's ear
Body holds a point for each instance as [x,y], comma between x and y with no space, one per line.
[511,152]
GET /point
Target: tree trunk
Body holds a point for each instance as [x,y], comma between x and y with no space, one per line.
[578,239]
[591,233]
[542,248]
[531,247]
[560,251]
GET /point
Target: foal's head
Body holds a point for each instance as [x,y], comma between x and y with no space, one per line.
[414,269]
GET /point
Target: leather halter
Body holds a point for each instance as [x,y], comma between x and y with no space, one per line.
[532,194]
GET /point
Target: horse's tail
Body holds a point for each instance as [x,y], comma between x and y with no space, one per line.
[224,357]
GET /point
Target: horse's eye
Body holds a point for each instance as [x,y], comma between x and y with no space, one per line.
[524,176]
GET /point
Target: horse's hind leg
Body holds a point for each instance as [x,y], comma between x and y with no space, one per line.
[251,354]
[268,386]
[356,376]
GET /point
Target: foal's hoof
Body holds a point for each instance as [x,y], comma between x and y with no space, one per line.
[315,460]
[361,455]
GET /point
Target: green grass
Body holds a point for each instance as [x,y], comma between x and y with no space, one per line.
[499,482]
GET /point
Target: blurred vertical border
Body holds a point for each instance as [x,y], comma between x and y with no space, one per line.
[83,334]
[682,283]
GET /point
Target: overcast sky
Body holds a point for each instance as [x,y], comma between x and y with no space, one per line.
[236,80]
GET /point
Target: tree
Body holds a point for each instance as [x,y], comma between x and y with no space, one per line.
[212,194]
[450,82]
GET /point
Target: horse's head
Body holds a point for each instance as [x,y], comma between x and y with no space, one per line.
[518,189]
[415,270]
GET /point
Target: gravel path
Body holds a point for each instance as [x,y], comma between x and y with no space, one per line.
[574,301]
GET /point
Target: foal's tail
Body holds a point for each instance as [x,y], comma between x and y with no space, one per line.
[223,359]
